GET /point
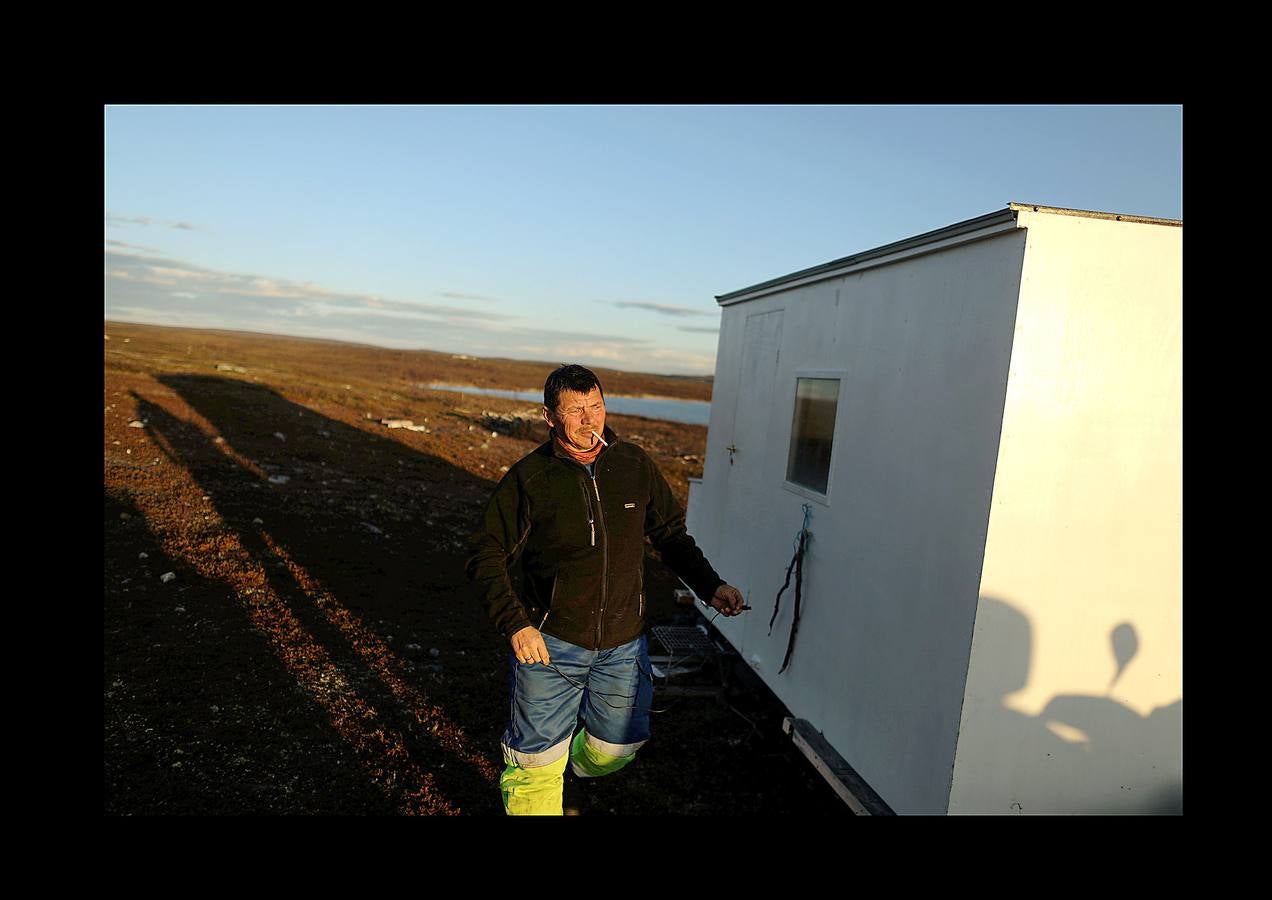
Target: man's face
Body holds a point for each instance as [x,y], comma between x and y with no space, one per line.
[577,416]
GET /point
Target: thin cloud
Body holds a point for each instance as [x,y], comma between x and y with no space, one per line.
[136,273]
[456,295]
[128,246]
[663,308]
[146,221]
[575,338]
[589,352]
[681,360]
[699,330]
[148,287]
[634,359]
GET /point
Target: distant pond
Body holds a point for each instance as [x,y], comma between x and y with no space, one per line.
[691,412]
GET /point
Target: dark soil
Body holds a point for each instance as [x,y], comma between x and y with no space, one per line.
[315,648]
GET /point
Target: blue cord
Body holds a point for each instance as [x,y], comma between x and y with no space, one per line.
[808,512]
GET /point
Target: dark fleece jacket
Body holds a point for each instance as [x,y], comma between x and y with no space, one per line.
[580,541]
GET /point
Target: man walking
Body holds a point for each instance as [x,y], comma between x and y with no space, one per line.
[576,512]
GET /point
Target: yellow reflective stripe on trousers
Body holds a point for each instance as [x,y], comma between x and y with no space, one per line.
[591,757]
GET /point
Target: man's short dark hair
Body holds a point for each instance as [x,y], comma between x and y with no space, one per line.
[569,378]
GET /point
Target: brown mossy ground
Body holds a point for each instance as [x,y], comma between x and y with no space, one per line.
[288,666]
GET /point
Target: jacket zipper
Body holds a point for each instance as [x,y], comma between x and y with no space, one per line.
[600,514]
[591,521]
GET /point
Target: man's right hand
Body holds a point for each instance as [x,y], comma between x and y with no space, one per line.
[528,646]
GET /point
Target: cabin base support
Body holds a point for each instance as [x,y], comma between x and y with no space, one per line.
[850,786]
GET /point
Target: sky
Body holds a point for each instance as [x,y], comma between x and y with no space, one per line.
[592,234]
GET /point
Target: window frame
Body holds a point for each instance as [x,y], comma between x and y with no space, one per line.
[839,375]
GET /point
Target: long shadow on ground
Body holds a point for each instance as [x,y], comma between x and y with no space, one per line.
[200,716]
[362,577]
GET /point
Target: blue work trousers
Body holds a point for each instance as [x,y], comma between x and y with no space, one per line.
[611,689]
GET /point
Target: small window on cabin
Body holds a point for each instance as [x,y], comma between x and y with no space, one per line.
[812,432]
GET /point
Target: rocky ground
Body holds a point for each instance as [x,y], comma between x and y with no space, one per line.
[287,628]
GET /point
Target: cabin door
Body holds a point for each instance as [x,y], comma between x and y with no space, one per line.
[748,478]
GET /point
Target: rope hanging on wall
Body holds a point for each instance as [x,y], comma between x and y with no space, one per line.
[797,565]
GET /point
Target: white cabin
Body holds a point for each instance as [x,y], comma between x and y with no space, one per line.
[986,424]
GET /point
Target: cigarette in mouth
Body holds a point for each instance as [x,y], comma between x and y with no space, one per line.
[601,439]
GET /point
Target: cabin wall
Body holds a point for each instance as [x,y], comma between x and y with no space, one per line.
[1074,698]
[893,567]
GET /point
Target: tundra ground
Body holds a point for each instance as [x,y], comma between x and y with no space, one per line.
[287,627]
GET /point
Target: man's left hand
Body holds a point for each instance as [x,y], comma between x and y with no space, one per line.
[728,600]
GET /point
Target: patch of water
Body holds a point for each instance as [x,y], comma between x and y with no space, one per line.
[691,412]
